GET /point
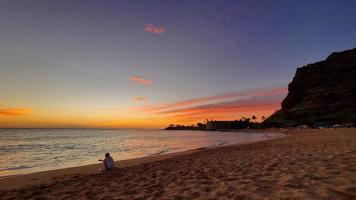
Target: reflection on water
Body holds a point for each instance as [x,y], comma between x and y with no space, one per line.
[33,150]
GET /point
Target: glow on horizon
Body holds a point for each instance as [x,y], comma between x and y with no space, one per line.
[228,106]
[15,111]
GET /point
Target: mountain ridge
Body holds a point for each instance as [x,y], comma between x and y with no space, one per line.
[321,92]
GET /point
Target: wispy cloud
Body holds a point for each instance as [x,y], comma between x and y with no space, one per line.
[246,94]
[234,106]
[263,101]
[14,111]
[140,80]
[154,29]
[140,98]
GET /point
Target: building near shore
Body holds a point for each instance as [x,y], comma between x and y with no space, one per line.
[235,124]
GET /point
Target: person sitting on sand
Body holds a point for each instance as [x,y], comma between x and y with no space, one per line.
[109,163]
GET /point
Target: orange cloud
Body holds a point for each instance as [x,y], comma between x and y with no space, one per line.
[154,29]
[235,106]
[140,80]
[227,106]
[246,94]
[14,111]
[140,99]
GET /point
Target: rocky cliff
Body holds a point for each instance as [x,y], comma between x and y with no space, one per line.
[321,92]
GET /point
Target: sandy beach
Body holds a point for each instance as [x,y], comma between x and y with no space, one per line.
[308,164]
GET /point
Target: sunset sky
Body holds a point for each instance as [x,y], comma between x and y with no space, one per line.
[147,64]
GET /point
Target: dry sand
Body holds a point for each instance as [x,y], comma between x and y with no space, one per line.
[309,164]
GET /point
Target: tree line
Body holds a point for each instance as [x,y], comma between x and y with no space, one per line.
[241,123]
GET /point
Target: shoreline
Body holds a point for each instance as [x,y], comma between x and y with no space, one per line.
[41,177]
[308,164]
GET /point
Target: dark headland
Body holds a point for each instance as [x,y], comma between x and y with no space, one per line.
[322,94]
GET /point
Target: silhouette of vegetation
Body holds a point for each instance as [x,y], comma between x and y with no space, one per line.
[263,118]
[218,125]
[184,127]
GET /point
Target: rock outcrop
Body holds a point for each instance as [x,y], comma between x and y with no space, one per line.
[323,92]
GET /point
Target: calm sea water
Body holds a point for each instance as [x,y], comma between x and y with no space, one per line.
[33,150]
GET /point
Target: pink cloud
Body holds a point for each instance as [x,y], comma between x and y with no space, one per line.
[246,94]
[140,99]
[140,80]
[154,29]
[259,102]
[233,106]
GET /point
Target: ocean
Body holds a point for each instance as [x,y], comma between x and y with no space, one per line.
[32,150]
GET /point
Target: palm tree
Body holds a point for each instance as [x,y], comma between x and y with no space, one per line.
[254,117]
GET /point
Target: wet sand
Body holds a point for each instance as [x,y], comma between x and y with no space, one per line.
[308,164]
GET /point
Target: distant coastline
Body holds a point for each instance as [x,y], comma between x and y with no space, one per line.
[214,125]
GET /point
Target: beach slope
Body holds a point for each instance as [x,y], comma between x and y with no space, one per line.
[308,164]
